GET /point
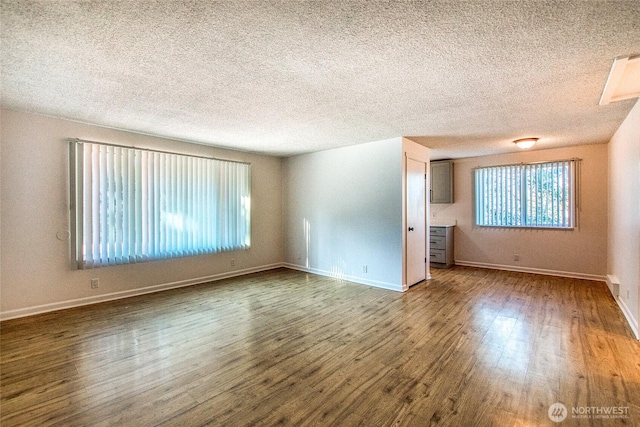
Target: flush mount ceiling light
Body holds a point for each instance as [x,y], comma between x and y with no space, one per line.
[525,143]
[623,81]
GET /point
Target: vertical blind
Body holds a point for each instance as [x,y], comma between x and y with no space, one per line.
[131,205]
[526,195]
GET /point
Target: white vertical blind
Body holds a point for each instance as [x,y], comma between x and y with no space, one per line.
[526,195]
[133,205]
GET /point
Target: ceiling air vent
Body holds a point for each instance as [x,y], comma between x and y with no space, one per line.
[623,81]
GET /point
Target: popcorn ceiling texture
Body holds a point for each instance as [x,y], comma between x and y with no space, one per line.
[288,77]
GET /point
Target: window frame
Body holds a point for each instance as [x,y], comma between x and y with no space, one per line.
[572,199]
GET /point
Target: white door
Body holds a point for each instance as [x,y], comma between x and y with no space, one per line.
[416,231]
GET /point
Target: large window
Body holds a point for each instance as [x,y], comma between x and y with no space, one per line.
[540,195]
[131,205]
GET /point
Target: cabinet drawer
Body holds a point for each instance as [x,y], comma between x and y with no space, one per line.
[438,231]
[437,255]
[438,242]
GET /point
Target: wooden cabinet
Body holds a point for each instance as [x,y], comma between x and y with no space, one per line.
[441,181]
[441,246]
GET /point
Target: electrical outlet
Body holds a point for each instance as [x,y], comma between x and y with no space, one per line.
[233,262]
[516,257]
[95,283]
[364,268]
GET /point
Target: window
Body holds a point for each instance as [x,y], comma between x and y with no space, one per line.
[540,195]
[131,205]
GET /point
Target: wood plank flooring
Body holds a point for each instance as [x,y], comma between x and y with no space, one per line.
[470,347]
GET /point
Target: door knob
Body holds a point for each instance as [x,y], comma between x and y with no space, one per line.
[410,228]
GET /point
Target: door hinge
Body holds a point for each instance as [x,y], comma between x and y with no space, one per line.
[425,260]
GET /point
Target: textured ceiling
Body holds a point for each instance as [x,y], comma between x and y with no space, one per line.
[287,77]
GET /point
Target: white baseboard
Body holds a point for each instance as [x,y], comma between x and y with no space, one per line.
[39,309]
[360,280]
[633,322]
[543,271]
[45,308]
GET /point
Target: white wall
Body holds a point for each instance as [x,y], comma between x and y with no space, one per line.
[343,210]
[35,274]
[577,253]
[338,211]
[624,214]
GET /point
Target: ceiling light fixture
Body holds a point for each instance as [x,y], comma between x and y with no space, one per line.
[525,143]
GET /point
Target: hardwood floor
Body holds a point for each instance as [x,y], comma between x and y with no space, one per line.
[470,347]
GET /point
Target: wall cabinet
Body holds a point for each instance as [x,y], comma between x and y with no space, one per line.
[441,181]
[441,246]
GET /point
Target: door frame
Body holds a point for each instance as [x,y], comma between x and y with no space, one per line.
[416,152]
